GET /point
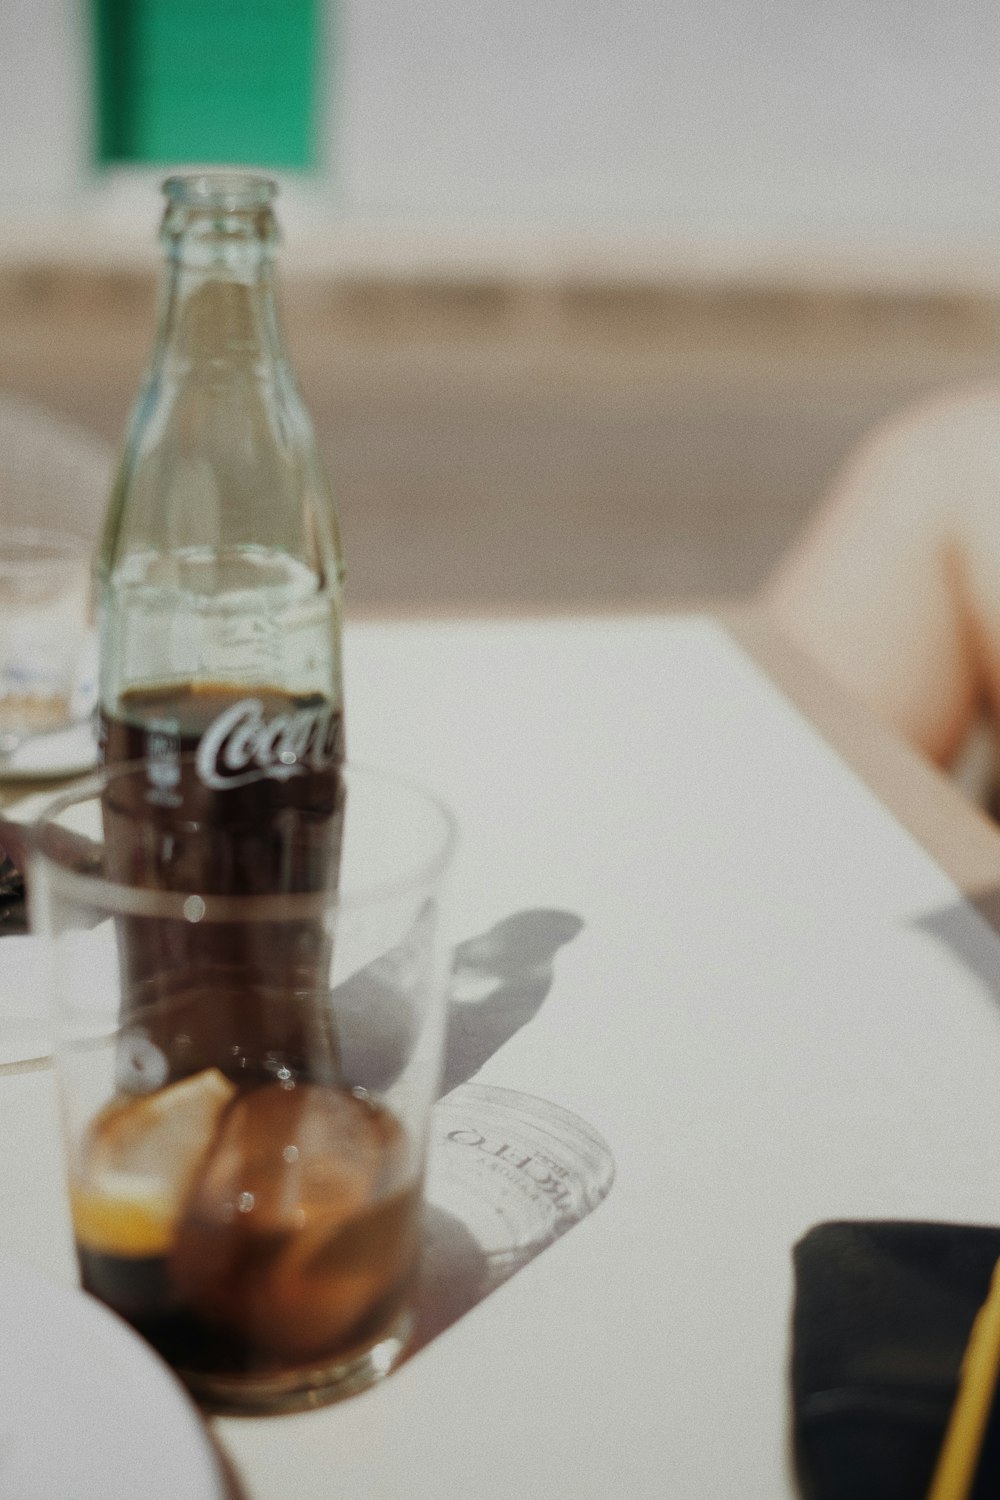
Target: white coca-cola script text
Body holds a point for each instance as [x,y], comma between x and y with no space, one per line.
[241,746]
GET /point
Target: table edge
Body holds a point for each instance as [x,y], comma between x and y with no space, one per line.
[960,836]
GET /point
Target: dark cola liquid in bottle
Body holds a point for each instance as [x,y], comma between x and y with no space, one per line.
[220,610]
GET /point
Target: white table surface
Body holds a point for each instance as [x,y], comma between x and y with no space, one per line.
[779,1009]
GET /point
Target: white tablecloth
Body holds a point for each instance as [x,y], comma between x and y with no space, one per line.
[777,1010]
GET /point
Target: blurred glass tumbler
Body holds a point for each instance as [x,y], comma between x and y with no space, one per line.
[44,628]
[246,1119]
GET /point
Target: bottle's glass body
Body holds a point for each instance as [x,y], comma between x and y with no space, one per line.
[220,613]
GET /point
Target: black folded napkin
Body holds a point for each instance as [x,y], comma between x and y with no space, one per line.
[13,911]
[882,1317]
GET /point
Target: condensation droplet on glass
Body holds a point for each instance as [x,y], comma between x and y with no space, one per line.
[140,1066]
[245,1202]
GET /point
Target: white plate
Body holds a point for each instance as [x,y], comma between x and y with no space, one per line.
[69,752]
[86,1408]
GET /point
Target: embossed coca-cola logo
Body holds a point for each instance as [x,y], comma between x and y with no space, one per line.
[241,746]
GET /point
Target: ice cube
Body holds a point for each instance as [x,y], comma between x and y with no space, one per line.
[299,1219]
[138,1163]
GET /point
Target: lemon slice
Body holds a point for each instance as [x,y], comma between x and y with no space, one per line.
[121,1226]
[139,1162]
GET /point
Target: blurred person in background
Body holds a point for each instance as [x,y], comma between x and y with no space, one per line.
[894,585]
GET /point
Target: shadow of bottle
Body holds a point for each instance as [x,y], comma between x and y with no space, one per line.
[498,983]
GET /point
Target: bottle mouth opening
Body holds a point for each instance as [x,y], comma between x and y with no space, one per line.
[228,192]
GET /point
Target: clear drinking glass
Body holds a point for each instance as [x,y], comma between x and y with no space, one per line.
[44,633]
[247,1074]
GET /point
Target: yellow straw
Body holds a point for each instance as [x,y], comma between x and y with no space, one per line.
[963,1439]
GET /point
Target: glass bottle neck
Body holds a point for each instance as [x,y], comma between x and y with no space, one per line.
[218,300]
[217,319]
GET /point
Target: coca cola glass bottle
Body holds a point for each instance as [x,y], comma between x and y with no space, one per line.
[220,583]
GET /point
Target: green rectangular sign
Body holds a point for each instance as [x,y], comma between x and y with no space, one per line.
[208,80]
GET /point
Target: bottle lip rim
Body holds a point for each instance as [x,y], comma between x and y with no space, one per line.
[229,190]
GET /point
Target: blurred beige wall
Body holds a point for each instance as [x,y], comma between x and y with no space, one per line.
[589,301]
[854,137]
[572,445]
